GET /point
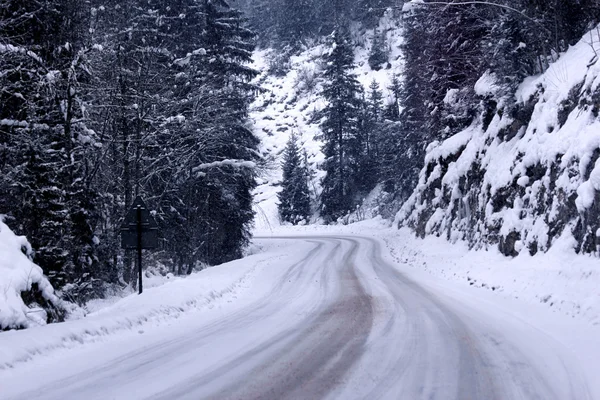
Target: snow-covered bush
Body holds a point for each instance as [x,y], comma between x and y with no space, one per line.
[26,296]
[306,78]
[279,63]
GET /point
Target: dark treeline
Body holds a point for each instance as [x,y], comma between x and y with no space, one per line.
[103,100]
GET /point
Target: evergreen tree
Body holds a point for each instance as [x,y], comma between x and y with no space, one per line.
[341,129]
[294,198]
[49,147]
[392,110]
[208,210]
[371,126]
[378,55]
[105,100]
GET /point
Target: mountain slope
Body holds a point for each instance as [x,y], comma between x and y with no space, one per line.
[291,101]
[528,177]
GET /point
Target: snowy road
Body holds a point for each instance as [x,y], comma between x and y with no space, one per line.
[330,319]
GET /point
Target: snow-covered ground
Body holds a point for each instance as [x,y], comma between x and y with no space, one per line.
[532,332]
[134,314]
[556,293]
[561,281]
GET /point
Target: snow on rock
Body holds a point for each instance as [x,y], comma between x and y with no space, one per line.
[529,176]
[290,104]
[19,275]
[487,85]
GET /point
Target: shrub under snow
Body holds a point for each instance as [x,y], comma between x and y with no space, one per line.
[20,277]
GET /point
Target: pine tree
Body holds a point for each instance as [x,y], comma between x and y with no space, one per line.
[208,210]
[341,128]
[294,198]
[378,55]
[50,146]
[392,110]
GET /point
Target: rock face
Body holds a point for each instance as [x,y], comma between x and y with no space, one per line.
[527,172]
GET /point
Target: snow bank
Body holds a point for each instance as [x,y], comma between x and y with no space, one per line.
[154,307]
[527,177]
[18,275]
[559,279]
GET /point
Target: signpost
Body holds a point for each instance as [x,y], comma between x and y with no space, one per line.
[139,231]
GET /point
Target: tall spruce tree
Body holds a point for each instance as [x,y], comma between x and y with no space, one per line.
[210,208]
[341,128]
[294,198]
[372,124]
[105,100]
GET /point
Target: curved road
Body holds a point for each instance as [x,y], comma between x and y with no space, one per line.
[338,322]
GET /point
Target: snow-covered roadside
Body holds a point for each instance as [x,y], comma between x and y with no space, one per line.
[207,289]
[550,297]
[561,280]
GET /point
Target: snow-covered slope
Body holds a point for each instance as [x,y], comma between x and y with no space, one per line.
[531,176]
[20,276]
[291,100]
[132,315]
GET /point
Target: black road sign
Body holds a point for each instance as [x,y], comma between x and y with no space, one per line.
[129,239]
[129,229]
[139,231]
[131,217]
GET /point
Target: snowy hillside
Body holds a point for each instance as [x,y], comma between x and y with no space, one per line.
[523,178]
[291,101]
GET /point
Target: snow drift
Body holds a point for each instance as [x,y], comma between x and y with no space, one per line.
[20,277]
[522,176]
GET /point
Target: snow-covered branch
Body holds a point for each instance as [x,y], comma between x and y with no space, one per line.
[225,163]
[408,6]
[9,48]
[21,124]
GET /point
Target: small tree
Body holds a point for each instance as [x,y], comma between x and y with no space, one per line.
[378,56]
[294,198]
[392,109]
